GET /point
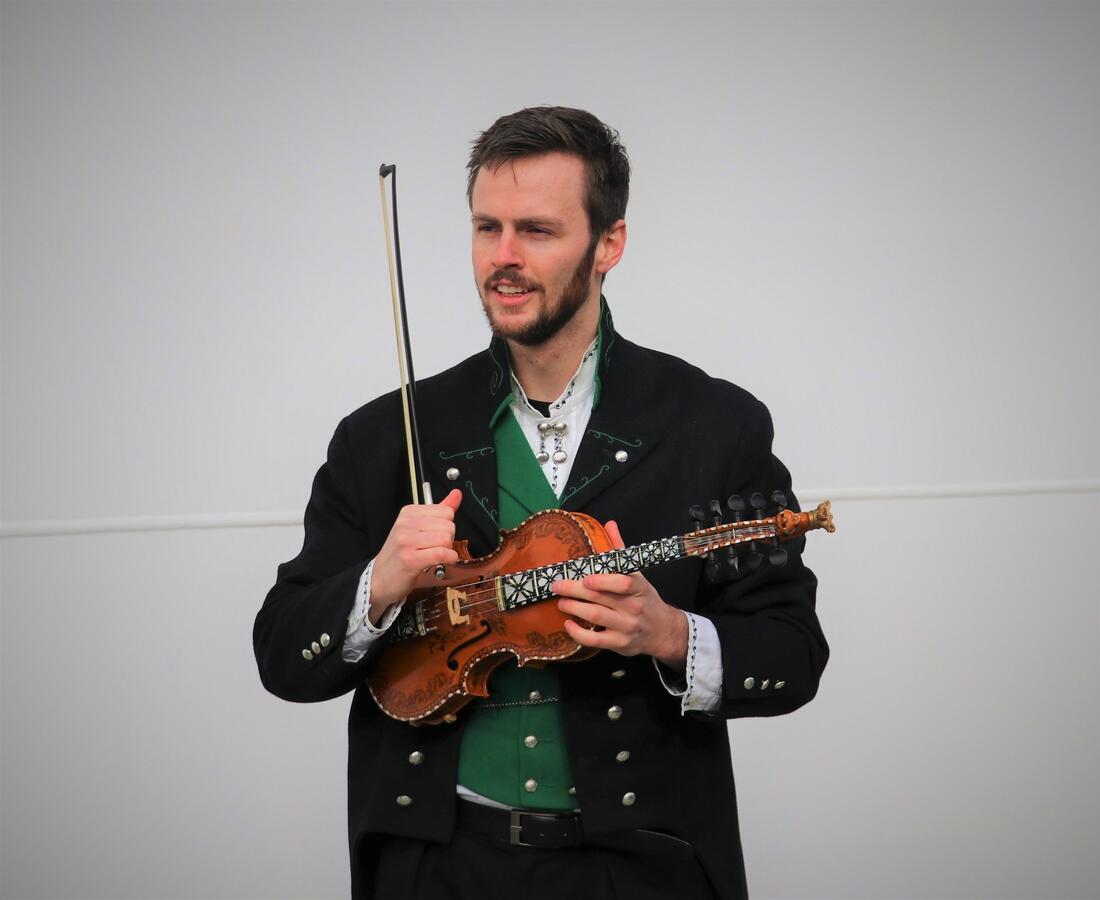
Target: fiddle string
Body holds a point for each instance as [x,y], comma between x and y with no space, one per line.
[484,592]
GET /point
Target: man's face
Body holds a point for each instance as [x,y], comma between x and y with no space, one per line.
[532,251]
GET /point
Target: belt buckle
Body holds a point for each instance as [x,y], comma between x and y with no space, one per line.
[515,829]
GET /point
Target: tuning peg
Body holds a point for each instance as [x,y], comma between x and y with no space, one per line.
[696,514]
[779,499]
[712,567]
[736,503]
[755,559]
[777,556]
[758,502]
[716,511]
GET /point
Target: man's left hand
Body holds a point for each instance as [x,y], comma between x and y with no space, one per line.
[631,613]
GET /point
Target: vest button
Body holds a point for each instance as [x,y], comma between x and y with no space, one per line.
[416,758]
[535,696]
[530,741]
[450,718]
[616,712]
[572,792]
[404,800]
[629,798]
[452,474]
[530,785]
[749,682]
[622,756]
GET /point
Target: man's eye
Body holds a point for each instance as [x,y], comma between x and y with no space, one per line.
[486,228]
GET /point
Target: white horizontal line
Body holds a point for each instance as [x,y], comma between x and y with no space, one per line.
[206,521]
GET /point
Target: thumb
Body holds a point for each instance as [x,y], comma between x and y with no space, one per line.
[452,500]
[612,529]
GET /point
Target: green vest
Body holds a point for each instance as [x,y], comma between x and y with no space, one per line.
[513,749]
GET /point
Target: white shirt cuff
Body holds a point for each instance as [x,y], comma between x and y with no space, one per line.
[700,686]
[361,633]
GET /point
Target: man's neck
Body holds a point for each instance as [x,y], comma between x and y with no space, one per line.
[545,370]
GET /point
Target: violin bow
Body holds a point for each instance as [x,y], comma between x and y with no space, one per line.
[421,487]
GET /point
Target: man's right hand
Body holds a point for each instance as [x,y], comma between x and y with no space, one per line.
[421,538]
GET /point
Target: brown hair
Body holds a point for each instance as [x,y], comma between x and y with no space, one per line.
[548,129]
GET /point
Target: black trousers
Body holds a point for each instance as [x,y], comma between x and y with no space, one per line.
[473,867]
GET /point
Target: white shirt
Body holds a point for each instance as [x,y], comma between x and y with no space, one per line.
[699,687]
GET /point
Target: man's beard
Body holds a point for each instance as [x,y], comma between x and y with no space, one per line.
[550,320]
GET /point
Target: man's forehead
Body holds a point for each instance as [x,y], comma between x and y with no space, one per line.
[548,179]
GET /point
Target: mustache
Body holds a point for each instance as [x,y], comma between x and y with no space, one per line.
[516,281]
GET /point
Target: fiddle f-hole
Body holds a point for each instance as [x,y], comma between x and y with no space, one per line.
[484,631]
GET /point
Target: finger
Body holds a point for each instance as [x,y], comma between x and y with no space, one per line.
[586,637]
[424,540]
[612,529]
[595,614]
[433,556]
[452,500]
[612,584]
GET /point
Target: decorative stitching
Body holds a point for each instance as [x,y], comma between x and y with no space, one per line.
[691,664]
[587,481]
[505,703]
[612,439]
[481,501]
[497,378]
[468,454]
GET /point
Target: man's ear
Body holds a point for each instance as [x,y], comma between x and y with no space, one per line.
[610,247]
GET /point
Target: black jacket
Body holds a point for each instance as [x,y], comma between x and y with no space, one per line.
[688,438]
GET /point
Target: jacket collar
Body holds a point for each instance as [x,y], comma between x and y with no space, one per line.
[459,437]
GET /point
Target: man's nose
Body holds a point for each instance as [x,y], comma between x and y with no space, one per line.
[506,253]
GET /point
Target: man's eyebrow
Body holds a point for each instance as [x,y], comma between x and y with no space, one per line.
[520,223]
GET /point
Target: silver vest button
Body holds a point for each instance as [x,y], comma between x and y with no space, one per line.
[534,696]
[749,682]
[404,800]
[530,785]
[616,712]
[416,758]
[629,798]
[621,456]
[622,756]
[452,474]
[572,792]
[531,742]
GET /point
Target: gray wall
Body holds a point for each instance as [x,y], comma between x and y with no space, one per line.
[882,218]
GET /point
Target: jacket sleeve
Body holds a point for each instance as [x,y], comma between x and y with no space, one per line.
[300,629]
[773,649]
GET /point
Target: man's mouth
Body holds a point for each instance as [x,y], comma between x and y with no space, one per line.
[512,293]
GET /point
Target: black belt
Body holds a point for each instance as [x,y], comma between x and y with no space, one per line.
[554,831]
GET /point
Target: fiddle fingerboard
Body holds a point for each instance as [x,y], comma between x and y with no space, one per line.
[531,585]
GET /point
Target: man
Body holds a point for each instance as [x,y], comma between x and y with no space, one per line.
[609,777]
